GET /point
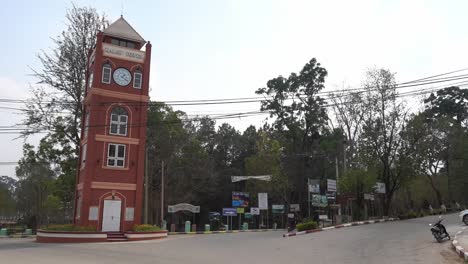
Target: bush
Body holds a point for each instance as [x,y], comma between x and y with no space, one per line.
[146,228]
[412,214]
[306,226]
[70,227]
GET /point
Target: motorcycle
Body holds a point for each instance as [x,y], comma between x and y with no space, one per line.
[438,230]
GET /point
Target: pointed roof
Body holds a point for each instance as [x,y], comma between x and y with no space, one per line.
[122,29]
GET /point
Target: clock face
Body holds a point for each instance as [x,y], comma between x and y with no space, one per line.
[122,76]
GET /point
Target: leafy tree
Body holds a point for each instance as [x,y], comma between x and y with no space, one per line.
[451,102]
[358,182]
[34,186]
[293,101]
[7,196]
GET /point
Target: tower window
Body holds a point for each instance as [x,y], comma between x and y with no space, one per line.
[137,80]
[116,155]
[106,73]
[90,81]
[86,126]
[83,155]
[123,43]
[118,121]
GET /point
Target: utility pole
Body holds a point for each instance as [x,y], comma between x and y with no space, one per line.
[146,186]
[162,192]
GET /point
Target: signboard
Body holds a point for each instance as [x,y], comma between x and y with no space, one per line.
[331,185]
[294,208]
[123,53]
[379,187]
[214,216]
[240,210]
[277,208]
[254,211]
[290,215]
[263,201]
[229,212]
[368,196]
[323,217]
[314,186]
[240,199]
[243,178]
[331,196]
[183,207]
[93,213]
[319,200]
[248,216]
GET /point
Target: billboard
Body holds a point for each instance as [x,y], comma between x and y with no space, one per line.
[229,212]
[319,200]
[263,201]
[240,199]
[277,208]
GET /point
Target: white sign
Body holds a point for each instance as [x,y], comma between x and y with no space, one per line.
[183,207]
[323,217]
[254,211]
[123,53]
[368,196]
[129,213]
[93,213]
[379,187]
[263,201]
[243,178]
[331,185]
[290,215]
[314,188]
[294,208]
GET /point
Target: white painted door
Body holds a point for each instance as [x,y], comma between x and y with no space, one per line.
[111,215]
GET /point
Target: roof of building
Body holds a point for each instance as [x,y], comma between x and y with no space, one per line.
[122,29]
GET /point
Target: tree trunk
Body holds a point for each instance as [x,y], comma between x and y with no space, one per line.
[434,188]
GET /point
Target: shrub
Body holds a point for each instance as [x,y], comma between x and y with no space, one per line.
[70,227]
[412,214]
[306,226]
[146,228]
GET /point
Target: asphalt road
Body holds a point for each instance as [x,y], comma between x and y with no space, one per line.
[406,241]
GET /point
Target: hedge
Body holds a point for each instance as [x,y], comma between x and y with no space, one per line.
[70,227]
[306,226]
[146,228]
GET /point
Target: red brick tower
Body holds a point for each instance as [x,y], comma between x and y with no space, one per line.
[111,165]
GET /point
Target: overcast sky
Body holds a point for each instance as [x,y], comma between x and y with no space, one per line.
[224,49]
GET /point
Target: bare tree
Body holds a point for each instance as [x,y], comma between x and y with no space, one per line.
[382,143]
[56,104]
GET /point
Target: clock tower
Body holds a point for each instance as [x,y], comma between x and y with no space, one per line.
[112,151]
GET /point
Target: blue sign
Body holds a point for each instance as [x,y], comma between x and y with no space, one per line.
[229,212]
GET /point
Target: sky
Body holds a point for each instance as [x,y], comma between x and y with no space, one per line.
[209,49]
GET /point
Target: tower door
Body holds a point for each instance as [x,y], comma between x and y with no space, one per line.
[111,215]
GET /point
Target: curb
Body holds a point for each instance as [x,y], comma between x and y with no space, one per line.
[17,236]
[222,232]
[340,226]
[462,252]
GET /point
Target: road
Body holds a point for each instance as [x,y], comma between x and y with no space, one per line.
[406,241]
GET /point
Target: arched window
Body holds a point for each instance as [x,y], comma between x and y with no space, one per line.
[137,79]
[118,121]
[106,73]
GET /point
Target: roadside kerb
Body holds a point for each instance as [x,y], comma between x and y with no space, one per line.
[461,251]
[223,232]
[340,226]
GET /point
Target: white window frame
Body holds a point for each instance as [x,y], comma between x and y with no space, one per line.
[134,80]
[116,157]
[90,80]
[86,128]
[119,123]
[104,68]
[83,155]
